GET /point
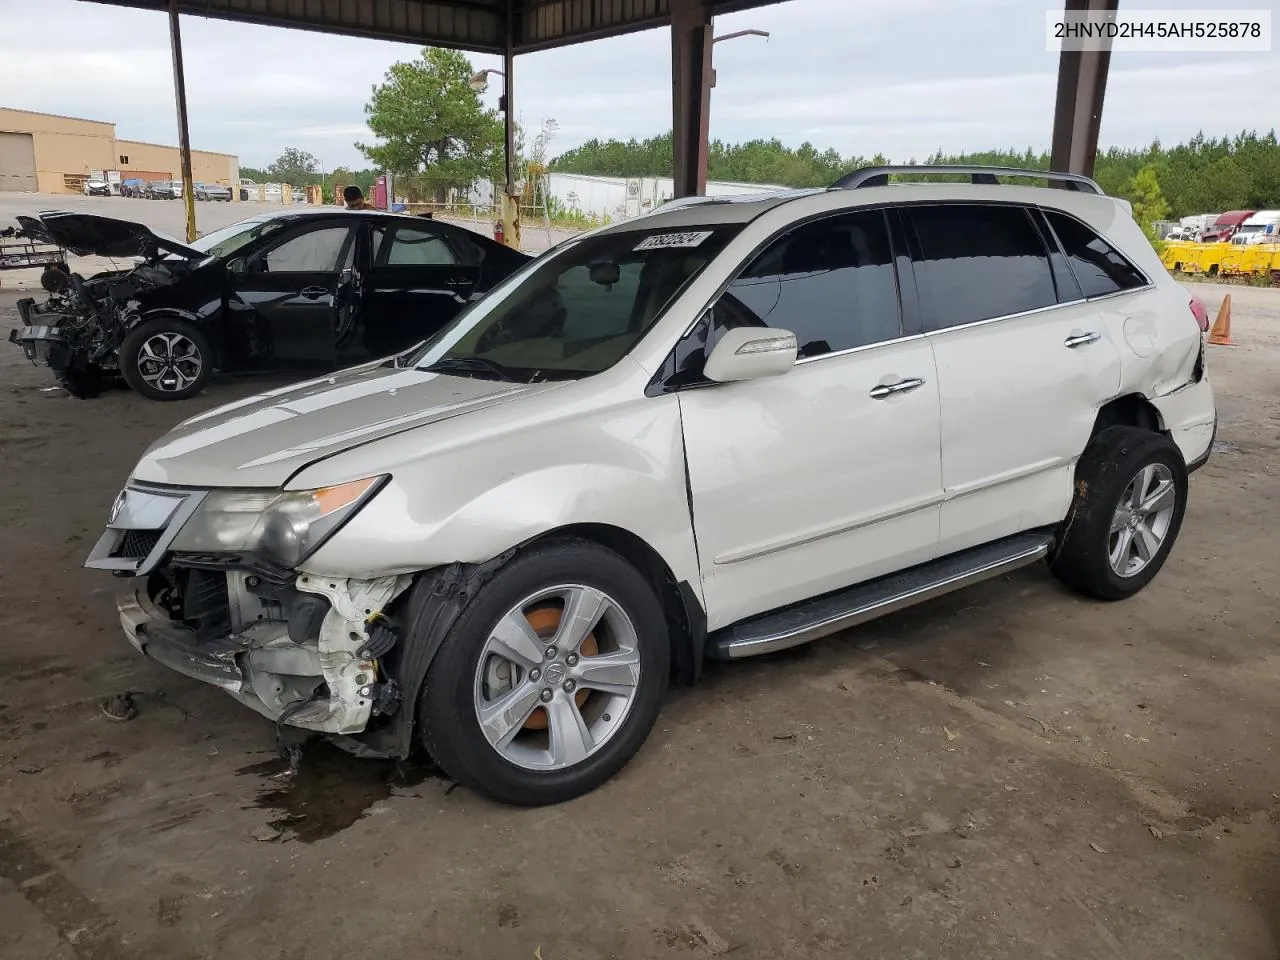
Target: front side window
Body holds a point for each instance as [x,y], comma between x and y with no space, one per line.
[1098,266]
[831,283]
[977,262]
[315,251]
[576,310]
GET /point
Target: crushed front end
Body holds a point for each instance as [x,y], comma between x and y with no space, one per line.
[301,650]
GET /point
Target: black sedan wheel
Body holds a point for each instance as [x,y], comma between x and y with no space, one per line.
[166,359]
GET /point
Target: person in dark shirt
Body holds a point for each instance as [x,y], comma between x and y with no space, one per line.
[355,200]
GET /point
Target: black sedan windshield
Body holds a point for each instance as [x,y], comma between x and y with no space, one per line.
[577,310]
[225,242]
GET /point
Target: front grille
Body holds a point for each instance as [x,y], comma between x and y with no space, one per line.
[136,544]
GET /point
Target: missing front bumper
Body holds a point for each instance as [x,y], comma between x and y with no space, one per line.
[319,683]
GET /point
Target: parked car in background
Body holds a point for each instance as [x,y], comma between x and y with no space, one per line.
[248,189]
[314,288]
[133,187]
[97,187]
[212,191]
[727,428]
[163,189]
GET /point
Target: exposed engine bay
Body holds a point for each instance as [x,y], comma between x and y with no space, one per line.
[83,322]
[299,650]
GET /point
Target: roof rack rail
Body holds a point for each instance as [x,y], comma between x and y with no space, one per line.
[879,176]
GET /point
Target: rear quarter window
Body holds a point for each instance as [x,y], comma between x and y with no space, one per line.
[1099,268]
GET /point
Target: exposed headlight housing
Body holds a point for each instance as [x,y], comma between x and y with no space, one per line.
[284,527]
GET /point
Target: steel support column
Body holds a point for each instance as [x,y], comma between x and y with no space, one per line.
[691,38]
[510,192]
[184,138]
[1082,83]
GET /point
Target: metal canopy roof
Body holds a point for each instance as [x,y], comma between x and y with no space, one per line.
[476,25]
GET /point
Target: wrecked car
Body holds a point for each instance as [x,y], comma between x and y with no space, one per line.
[321,289]
[723,429]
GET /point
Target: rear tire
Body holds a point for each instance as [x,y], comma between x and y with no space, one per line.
[1130,498]
[166,359]
[561,718]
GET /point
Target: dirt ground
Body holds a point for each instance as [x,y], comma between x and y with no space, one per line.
[1009,772]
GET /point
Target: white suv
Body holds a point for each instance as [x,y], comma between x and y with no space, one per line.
[726,428]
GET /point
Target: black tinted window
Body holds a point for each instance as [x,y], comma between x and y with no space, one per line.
[832,283]
[979,262]
[1097,265]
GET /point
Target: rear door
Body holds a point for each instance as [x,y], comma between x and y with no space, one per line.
[1023,360]
[419,280]
[296,287]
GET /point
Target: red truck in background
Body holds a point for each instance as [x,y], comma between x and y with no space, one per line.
[1225,227]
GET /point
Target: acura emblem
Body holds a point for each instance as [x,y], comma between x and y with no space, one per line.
[116,507]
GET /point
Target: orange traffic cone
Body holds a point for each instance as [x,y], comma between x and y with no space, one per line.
[1221,332]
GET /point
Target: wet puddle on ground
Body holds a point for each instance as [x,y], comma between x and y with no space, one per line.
[330,791]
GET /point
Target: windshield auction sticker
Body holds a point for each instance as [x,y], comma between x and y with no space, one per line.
[668,241]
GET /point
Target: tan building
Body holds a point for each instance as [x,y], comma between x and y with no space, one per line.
[53,154]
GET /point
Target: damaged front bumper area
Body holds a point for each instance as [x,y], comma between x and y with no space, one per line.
[301,650]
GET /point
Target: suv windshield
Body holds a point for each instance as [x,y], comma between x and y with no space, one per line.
[225,242]
[576,310]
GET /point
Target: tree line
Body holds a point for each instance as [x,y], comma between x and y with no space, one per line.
[1205,174]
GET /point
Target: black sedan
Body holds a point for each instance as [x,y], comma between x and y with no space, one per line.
[317,288]
[162,190]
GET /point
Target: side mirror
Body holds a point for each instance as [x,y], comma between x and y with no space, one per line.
[746,353]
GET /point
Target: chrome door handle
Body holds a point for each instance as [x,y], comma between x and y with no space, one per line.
[1079,341]
[889,389]
[314,293]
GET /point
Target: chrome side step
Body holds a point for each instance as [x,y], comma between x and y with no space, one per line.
[837,611]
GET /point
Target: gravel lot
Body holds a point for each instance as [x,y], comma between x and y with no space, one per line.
[1009,772]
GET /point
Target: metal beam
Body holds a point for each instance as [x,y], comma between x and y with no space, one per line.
[1082,84]
[184,137]
[691,39]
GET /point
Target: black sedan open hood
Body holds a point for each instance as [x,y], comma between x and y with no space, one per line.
[89,235]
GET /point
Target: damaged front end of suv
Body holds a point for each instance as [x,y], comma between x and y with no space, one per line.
[216,595]
[79,329]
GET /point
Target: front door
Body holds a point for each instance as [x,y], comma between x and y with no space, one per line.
[829,474]
[297,288]
[1024,362]
[418,282]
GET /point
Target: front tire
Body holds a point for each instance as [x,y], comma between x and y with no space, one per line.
[551,678]
[1130,498]
[166,359]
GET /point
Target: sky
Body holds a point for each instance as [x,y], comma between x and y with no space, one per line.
[899,77]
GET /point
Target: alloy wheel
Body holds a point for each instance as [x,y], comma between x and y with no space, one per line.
[170,362]
[557,677]
[1141,521]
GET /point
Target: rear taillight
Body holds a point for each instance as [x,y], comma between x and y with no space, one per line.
[1200,313]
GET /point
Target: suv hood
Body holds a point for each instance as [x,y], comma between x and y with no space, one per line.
[265,440]
[92,236]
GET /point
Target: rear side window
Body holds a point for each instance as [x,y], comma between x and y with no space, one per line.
[831,283]
[978,262]
[410,247]
[1098,266]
